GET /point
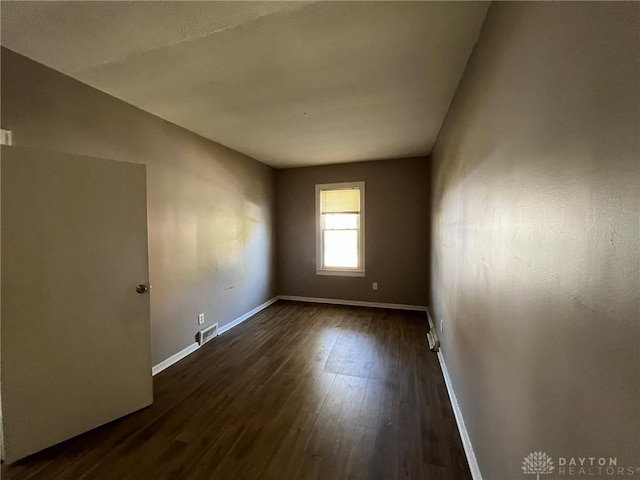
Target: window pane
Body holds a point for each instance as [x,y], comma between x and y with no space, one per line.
[335,201]
[341,221]
[341,248]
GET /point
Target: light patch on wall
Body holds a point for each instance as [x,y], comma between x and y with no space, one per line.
[253,211]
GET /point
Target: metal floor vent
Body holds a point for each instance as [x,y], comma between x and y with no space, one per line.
[207,334]
[432,337]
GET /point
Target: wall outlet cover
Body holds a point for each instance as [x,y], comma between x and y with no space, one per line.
[5,137]
[200,318]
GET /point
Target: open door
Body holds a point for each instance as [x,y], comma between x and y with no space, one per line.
[75,338]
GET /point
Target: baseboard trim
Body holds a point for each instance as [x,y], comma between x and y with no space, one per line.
[174,358]
[354,303]
[195,346]
[464,435]
[247,315]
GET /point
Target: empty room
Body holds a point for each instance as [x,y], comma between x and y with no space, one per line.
[324,240]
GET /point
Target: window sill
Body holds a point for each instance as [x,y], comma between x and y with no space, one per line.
[341,273]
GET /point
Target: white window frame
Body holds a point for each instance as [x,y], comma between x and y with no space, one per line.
[340,271]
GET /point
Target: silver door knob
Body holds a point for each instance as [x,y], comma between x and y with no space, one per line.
[142,288]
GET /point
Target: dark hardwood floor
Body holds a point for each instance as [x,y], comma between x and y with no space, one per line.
[299,391]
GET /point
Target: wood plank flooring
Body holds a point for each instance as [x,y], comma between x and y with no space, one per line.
[299,391]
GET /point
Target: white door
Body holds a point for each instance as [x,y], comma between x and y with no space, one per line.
[75,333]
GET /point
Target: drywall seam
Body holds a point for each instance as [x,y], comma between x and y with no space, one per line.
[242,24]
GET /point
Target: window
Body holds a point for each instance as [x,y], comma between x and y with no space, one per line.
[340,229]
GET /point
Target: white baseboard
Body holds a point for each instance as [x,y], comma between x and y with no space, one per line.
[250,314]
[174,358]
[195,346]
[354,303]
[464,435]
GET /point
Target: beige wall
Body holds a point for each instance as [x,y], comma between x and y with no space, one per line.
[536,189]
[396,231]
[210,209]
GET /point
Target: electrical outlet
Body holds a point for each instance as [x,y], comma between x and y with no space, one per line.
[5,137]
[374,285]
[200,318]
[441,325]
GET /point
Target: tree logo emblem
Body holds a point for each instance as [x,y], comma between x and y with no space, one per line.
[537,463]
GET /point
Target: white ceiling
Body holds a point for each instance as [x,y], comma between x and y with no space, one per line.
[288,83]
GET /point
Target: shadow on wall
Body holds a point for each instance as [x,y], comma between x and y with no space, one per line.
[535,232]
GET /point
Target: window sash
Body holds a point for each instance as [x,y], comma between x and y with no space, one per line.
[325,210]
[344,255]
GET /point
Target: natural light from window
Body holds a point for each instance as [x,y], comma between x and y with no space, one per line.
[340,228]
